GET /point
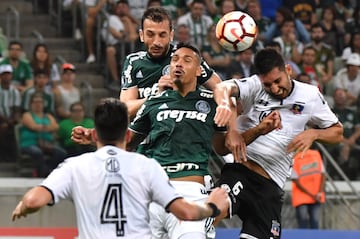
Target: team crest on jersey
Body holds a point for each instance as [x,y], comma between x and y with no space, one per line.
[275,228]
[297,108]
[112,165]
[202,106]
[166,70]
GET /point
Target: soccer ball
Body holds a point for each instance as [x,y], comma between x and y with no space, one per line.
[236,31]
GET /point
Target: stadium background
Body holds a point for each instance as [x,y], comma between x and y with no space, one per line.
[27,21]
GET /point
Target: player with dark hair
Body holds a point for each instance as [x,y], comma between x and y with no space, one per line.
[112,188]
[255,182]
[180,132]
[142,70]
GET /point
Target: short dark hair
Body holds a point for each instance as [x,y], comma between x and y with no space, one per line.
[316,25]
[156,14]
[191,47]
[111,120]
[15,42]
[300,77]
[267,59]
[77,103]
[39,72]
[122,1]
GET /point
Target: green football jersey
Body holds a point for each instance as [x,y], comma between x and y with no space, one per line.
[142,71]
[179,131]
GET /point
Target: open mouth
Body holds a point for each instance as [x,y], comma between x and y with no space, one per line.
[178,73]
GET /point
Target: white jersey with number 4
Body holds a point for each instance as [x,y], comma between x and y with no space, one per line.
[111,190]
[305,105]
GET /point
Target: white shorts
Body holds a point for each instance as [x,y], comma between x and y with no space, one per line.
[166,225]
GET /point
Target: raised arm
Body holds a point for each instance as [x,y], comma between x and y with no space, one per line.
[226,108]
[130,98]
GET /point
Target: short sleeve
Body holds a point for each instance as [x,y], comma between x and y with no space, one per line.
[59,182]
[206,73]
[127,75]
[141,122]
[322,116]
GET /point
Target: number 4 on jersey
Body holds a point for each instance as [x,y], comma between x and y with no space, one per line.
[112,209]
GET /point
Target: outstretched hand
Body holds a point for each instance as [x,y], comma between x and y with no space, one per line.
[81,135]
[302,142]
[18,212]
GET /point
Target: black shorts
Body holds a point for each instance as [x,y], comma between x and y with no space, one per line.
[255,199]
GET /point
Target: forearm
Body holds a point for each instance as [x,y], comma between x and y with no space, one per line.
[190,211]
[251,134]
[332,135]
[304,190]
[223,92]
[32,201]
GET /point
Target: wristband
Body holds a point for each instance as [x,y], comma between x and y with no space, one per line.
[216,212]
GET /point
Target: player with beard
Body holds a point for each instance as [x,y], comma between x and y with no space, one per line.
[180,132]
[112,188]
[142,70]
[255,182]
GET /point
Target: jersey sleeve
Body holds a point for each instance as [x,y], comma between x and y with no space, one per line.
[322,116]
[141,122]
[59,182]
[248,89]
[206,73]
[162,191]
[127,77]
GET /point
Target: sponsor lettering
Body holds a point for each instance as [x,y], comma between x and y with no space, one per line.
[179,115]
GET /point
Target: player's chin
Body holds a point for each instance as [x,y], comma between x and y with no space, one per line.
[157,53]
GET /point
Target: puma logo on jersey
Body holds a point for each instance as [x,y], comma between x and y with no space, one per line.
[139,75]
[163,106]
[179,115]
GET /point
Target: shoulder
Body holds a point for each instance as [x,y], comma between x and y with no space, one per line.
[24,63]
[207,94]
[158,98]
[29,91]
[64,122]
[307,91]
[133,57]
[251,79]
[326,46]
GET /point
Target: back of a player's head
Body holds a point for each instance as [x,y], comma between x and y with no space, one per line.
[268,59]
[156,14]
[111,120]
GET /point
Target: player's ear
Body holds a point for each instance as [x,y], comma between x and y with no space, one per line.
[94,135]
[288,69]
[141,35]
[198,71]
[128,136]
[172,35]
